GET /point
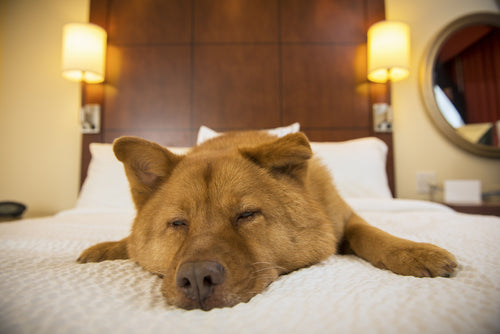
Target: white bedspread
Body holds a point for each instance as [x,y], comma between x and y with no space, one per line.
[43,289]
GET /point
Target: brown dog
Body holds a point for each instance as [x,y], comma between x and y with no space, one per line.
[224,221]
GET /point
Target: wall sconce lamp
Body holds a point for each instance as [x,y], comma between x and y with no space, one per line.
[388,60]
[83,57]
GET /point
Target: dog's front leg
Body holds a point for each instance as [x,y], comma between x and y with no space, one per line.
[401,256]
[111,250]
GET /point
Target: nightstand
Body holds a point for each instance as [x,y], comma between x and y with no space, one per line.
[8,219]
[492,209]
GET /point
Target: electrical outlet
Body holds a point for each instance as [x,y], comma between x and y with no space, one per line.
[424,182]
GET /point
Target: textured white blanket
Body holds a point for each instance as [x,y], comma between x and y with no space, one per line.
[43,289]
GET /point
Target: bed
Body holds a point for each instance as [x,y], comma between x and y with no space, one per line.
[174,65]
[44,290]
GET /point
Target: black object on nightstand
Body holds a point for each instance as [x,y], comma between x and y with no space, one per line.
[11,210]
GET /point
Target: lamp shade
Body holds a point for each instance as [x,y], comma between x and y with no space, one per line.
[83,52]
[388,51]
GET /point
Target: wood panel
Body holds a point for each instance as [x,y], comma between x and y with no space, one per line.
[236,86]
[323,135]
[149,21]
[319,88]
[227,21]
[374,12]
[174,137]
[323,21]
[174,65]
[148,87]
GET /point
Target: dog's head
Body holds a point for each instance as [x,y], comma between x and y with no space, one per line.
[223,222]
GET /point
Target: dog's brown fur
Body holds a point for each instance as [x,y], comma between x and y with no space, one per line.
[224,221]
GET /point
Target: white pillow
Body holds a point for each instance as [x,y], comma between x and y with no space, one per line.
[357,166]
[106,185]
[205,133]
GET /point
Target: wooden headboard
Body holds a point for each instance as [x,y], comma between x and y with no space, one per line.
[173,65]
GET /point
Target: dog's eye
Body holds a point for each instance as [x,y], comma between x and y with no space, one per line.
[246,216]
[178,223]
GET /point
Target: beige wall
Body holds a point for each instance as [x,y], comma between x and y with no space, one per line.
[39,137]
[418,145]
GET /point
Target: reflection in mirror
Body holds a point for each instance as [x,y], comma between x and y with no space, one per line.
[467,82]
[461,83]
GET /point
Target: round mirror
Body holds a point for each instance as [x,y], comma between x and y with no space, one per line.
[460,82]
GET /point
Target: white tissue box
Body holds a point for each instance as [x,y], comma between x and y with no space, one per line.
[462,191]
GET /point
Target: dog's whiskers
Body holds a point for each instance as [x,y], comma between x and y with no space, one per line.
[269,266]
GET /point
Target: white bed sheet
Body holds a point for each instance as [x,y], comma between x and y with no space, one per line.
[43,289]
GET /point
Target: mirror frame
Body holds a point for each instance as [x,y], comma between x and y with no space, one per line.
[426,82]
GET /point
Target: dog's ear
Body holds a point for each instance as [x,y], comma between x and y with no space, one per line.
[147,165]
[287,155]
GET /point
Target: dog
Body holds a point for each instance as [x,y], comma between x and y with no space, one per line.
[224,221]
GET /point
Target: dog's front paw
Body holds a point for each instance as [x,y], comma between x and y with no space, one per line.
[419,259]
[112,250]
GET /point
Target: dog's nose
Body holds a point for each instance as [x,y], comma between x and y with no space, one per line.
[198,279]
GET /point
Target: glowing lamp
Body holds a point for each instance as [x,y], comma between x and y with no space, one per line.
[83,52]
[388,51]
